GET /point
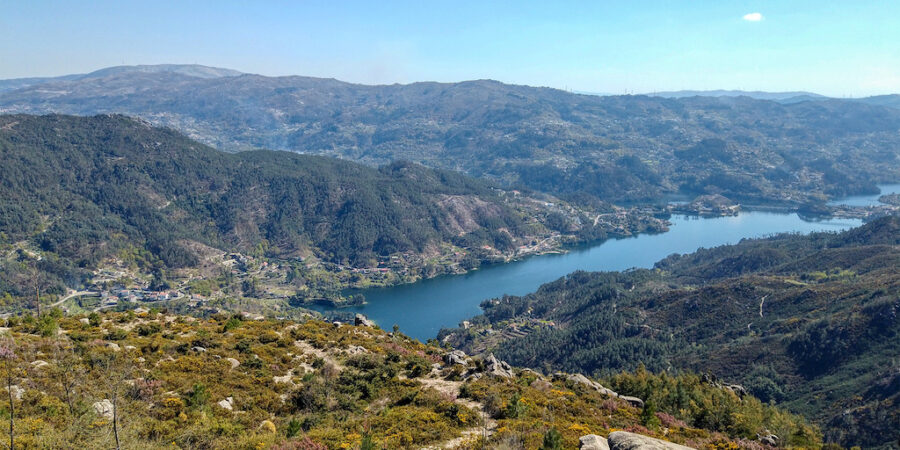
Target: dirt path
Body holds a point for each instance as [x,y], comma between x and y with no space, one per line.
[451,388]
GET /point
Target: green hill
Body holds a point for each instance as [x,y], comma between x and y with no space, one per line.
[809,322]
[81,193]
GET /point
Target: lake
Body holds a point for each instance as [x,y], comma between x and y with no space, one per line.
[867,200]
[421,309]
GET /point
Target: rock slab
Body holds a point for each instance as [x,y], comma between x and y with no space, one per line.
[104,408]
[456,357]
[623,440]
[593,442]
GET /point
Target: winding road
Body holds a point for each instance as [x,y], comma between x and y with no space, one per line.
[72,295]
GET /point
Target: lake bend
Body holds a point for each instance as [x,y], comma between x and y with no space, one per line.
[421,309]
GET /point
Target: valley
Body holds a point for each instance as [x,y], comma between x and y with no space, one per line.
[809,322]
[424,308]
[467,225]
[125,207]
[742,249]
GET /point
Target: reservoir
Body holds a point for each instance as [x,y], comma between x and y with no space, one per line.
[421,309]
[867,200]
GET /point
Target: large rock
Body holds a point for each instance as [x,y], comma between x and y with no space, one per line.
[623,440]
[737,389]
[634,401]
[16,391]
[587,382]
[287,379]
[104,408]
[228,404]
[496,368]
[39,364]
[455,358]
[363,321]
[593,442]
[768,438]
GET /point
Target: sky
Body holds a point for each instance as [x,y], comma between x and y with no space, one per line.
[836,48]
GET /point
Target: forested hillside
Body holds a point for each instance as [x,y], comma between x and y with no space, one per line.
[808,322]
[74,191]
[615,148]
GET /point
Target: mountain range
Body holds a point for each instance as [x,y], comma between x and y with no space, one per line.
[122,179]
[191,70]
[781,97]
[616,148]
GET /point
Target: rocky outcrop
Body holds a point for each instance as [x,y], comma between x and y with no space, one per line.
[593,442]
[16,392]
[361,320]
[633,401]
[455,358]
[228,404]
[39,364]
[582,380]
[542,385]
[737,389]
[587,382]
[712,380]
[287,379]
[495,368]
[104,408]
[623,440]
[767,438]
[355,350]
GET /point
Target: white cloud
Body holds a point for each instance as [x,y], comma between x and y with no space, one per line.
[753,17]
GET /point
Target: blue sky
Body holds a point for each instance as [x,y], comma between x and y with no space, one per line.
[839,48]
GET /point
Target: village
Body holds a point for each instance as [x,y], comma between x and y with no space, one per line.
[275,285]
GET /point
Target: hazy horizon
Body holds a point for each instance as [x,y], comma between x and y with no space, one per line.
[833,48]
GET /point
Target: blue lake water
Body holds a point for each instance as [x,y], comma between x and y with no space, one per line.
[867,200]
[421,309]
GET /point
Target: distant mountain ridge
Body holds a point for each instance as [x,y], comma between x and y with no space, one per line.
[759,95]
[192,70]
[616,148]
[892,100]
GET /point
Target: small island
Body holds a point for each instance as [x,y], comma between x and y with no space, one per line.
[708,205]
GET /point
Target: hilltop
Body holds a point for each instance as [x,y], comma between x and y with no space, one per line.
[191,70]
[616,148]
[807,322]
